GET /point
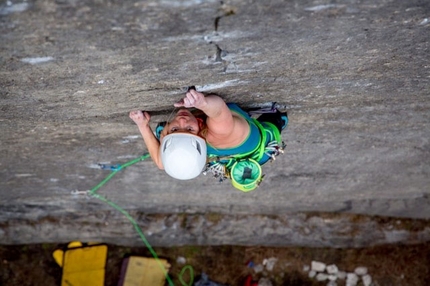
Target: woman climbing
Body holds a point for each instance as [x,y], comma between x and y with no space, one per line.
[225,135]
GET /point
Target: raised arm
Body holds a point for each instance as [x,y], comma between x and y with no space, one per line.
[222,124]
[142,121]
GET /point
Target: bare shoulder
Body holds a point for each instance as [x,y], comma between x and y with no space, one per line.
[228,133]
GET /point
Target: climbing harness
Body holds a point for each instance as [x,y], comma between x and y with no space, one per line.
[244,170]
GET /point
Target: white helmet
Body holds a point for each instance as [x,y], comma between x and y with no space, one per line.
[183,155]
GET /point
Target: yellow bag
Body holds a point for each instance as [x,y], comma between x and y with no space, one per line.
[143,271]
[82,265]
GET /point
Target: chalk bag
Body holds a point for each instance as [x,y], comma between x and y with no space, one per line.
[246,175]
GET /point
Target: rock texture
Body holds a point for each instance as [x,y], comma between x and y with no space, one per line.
[353,75]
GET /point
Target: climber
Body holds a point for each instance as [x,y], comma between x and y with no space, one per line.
[181,146]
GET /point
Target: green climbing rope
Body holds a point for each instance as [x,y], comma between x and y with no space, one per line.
[93,193]
[190,269]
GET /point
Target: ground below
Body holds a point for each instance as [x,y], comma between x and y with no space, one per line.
[387,265]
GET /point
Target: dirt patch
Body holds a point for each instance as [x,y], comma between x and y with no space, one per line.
[387,265]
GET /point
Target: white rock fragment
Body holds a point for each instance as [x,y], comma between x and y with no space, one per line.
[258,268]
[181,260]
[351,279]
[131,137]
[341,275]
[332,277]
[306,268]
[312,274]
[264,282]
[38,60]
[361,271]
[13,8]
[227,83]
[23,175]
[367,280]
[322,7]
[425,21]
[317,266]
[332,269]
[270,263]
[322,277]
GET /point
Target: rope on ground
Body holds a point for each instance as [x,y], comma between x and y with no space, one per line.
[190,269]
[93,193]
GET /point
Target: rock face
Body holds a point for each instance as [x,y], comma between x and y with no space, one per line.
[354,78]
